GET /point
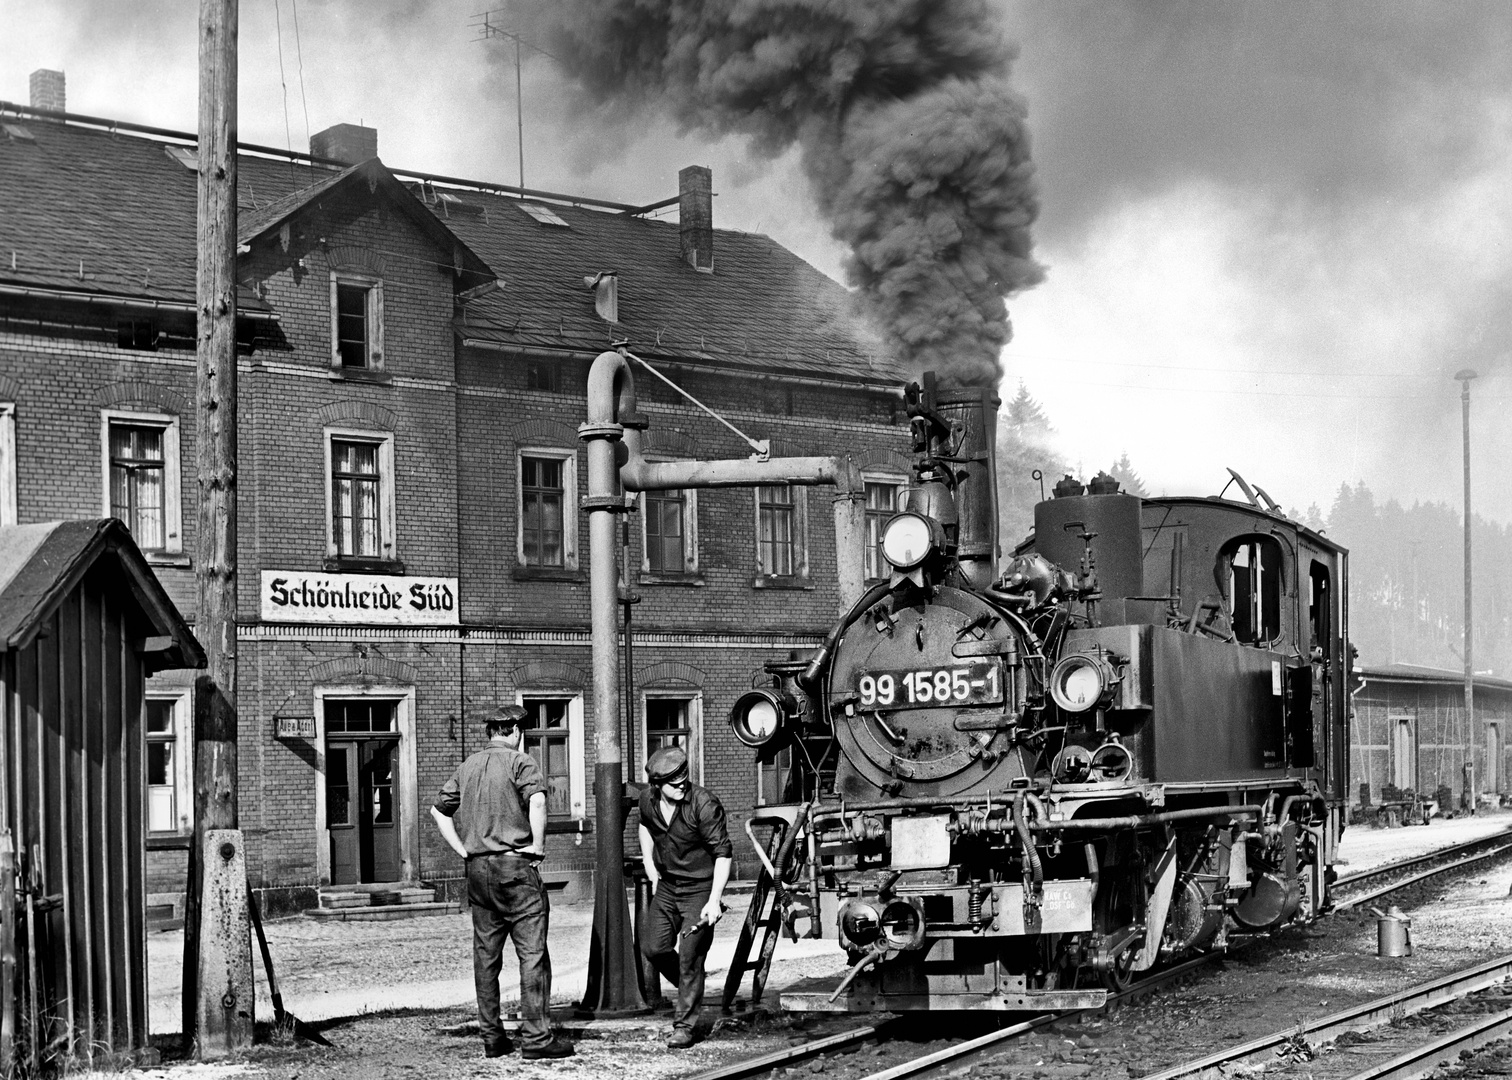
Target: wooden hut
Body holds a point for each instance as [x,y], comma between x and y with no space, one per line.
[83,622]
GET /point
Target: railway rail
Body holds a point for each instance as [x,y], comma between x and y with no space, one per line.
[1360,1018]
[1500,843]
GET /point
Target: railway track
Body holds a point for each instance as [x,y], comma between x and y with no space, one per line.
[1368,885]
[1385,879]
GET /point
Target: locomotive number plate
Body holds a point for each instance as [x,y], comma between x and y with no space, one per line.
[980,683]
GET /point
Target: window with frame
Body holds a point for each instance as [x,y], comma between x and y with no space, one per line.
[356,322]
[356,500]
[7,463]
[1253,578]
[884,498]
[673,720]
[141,460]
[359,495]
[778,549]
[554,741]
[547,509]
[168,798]
[543,375]
[669,523]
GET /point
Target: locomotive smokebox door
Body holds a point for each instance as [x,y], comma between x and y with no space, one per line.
[920,843]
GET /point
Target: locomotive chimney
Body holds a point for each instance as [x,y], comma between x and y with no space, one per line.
[972,412]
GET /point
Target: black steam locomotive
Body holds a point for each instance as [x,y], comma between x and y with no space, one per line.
[1021,789]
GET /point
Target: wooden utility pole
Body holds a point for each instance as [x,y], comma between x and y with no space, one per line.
[218,991]
[1464,376]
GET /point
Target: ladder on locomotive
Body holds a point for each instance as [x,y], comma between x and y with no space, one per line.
[780,850]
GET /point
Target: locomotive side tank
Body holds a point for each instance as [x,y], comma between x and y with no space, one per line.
[1027,785]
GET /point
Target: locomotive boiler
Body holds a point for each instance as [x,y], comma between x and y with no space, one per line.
[1020,787]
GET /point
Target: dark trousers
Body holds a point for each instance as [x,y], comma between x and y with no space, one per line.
[681,962]
[508,899]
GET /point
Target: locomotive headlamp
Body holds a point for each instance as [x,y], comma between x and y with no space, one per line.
[860,924]
[1081,682]
[906,540]
[758,715]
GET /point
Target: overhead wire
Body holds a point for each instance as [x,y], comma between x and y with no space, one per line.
[299,57]
[284,86]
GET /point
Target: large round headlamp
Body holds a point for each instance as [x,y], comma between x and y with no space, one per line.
[907,540]
[758,715]
[1080,682]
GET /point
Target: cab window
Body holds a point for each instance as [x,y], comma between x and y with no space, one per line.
[1250,571]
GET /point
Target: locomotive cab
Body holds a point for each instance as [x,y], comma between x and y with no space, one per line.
[1025,787]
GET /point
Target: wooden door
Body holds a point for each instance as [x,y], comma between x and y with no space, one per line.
[341,811]
[378,818]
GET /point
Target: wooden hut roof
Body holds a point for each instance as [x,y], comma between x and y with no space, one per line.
[40,565]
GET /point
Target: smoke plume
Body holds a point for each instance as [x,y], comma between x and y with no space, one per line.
[913,141]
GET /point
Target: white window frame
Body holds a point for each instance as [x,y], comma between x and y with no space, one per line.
[569,505]
[694,698]
[173,526]
[384,440]
[800,533]
[876,476]
[577,784]
[690,533]
[183,762]
[8,464]
[407,793]
[374,286]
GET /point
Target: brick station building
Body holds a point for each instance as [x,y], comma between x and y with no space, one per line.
[413,356]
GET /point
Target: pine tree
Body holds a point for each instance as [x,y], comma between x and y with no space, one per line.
[1024,432]
[1128,479]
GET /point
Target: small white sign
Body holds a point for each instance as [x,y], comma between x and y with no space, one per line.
[294,727]
[1276,678]
[365,599]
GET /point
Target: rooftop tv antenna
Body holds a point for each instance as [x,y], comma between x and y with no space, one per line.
[489,28]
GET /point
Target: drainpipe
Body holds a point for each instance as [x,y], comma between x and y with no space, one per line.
[615,464]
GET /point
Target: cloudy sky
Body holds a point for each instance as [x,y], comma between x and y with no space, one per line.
[1272,230]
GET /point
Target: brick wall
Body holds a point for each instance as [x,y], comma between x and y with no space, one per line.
[458,419]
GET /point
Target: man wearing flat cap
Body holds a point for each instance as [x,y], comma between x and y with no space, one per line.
[686,851]
[493,813]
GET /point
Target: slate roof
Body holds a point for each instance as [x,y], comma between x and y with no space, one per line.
[41,564]
[122,206]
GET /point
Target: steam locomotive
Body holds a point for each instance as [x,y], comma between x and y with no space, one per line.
[1022,789]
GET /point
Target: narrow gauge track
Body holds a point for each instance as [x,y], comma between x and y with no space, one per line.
[1388,878]
[1371,1014]
[954,1055]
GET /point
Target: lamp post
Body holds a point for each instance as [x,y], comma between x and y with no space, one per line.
[1463,376]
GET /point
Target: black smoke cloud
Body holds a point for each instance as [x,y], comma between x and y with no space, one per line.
[913,140]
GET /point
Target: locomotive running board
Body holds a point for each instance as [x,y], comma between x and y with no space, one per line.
[867,1001]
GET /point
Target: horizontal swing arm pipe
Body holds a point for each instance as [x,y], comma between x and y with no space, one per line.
[1134,821]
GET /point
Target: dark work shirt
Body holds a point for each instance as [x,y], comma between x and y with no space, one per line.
[489,799]
[684,849]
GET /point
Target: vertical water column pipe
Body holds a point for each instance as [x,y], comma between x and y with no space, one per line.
[615,464]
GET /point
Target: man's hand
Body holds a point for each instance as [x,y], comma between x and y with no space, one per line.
[535,851]
[711,912]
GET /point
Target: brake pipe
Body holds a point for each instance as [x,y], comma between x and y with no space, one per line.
[813,675]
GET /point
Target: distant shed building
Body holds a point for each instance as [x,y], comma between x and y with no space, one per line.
[83,623]
[1409,731]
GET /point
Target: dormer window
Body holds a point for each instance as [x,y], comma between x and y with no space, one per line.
[356,322]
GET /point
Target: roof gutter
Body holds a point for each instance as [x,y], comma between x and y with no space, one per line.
[116,300]
[894,389]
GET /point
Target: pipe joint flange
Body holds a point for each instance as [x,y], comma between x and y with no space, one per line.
[589,432]
[615,504]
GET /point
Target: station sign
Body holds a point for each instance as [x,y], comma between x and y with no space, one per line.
[360,599]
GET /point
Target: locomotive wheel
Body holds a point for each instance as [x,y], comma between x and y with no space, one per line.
[1118,977]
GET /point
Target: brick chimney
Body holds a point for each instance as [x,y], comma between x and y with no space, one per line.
[47,90]
[695,211]
[351,143]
